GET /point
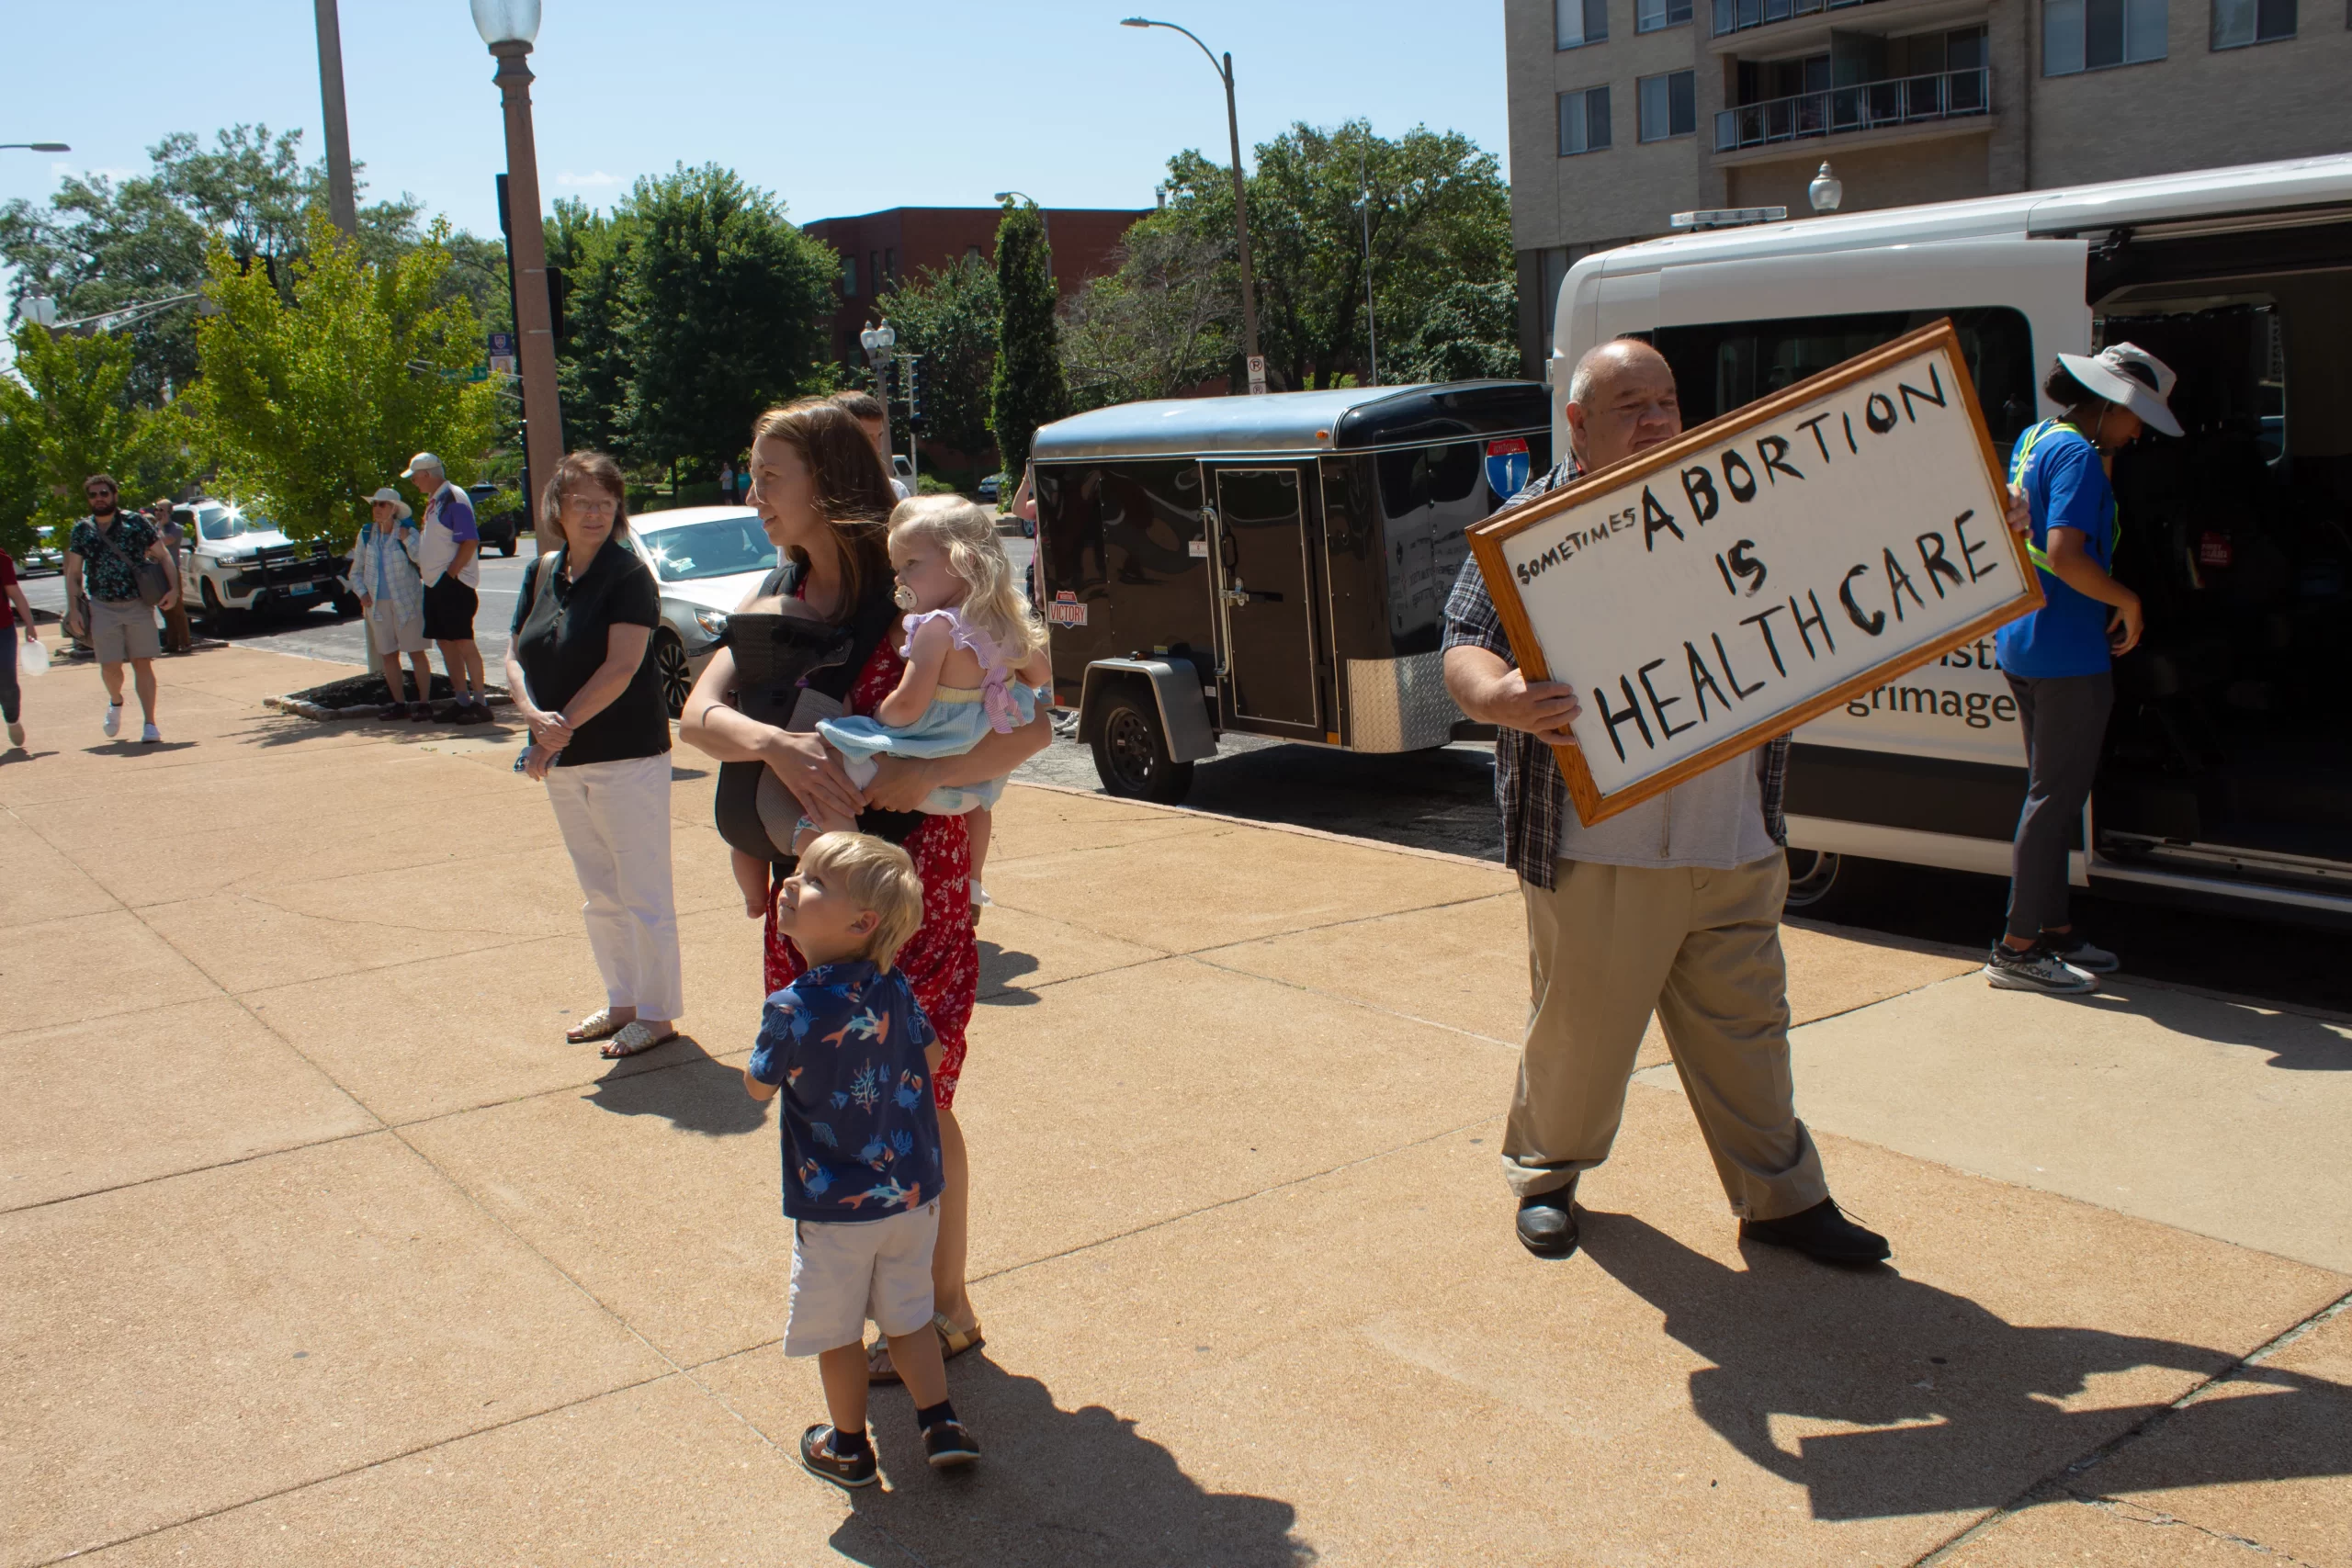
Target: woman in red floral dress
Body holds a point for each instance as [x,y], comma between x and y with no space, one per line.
[824,499]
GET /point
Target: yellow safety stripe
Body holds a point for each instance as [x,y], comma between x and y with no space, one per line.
[2025,444]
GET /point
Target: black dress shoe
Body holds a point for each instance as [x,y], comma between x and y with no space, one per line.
[1547,1222]
[1822,1233]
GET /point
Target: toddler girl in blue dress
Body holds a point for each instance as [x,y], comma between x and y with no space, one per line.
[975,659]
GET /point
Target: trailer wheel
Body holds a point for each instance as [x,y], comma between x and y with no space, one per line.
[1131,754]
[1811,872]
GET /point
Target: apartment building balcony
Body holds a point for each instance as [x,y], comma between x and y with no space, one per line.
[1901,108]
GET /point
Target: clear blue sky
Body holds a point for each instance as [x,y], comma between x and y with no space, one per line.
[839,107]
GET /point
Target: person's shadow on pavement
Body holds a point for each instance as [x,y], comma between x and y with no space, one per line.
[1960,1403]
[697,1094]
[999,967]
[1052,1485]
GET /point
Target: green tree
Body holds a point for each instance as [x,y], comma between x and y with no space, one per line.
[1168,319]
[100,246]
[1440,215]
[952,318]
[723,314]
[65,415]
[591,357]
[1468,333]
[1027,389]
[311,398]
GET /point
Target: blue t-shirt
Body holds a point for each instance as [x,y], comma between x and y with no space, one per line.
[2067,487]
[861,1133]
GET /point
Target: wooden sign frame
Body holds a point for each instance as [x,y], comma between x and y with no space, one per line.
[1486,546]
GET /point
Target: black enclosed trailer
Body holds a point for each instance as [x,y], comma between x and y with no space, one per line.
[1273,565]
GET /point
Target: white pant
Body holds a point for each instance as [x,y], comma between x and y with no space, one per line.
[616,822]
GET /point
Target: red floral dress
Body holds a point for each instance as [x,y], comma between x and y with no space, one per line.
[942,961]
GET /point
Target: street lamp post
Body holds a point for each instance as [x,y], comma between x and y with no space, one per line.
[36,146]
[878,342]
[508,27]
[1240,202]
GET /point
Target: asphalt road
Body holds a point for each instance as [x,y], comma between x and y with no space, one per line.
[319,633]
[1444,800]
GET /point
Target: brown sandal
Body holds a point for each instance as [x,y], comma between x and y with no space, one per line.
[952,1342]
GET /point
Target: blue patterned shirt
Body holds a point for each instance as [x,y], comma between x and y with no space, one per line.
[861,1133]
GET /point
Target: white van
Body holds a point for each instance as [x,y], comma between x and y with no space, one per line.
[2228,768]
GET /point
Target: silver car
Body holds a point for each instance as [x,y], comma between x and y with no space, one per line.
[707,559]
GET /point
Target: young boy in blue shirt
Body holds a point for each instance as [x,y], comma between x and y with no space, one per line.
[845,1043]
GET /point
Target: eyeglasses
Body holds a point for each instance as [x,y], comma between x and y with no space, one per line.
[591,506]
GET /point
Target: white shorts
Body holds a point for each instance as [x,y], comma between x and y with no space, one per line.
[394,632]
[843,1274]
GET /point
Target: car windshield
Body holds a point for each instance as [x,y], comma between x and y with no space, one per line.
[722,547]
[227,523]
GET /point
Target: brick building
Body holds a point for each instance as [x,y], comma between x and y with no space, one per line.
[878,248]
[1623,111]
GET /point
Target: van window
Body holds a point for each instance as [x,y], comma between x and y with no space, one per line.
[1727,365]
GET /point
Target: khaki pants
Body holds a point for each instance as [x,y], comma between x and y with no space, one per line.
[1700,947]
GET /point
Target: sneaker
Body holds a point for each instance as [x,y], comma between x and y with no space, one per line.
[15,735]
[947,1445]
[818,1460]
[421,714]
[112,723]
[2035,969]
[1547,1222]
[395,711]
[150,735]
[470,713]
[1822,1233]
[2076,953]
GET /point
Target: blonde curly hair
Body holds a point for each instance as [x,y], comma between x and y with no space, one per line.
[993,601]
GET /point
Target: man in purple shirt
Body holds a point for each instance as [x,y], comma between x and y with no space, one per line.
[448,561]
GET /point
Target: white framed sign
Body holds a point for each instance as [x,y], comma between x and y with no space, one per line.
[1712,593]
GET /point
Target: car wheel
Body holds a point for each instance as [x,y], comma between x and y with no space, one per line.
[1131,755]
[677,676]
[1811,874]
[216,614]
[346,606]
[510,547]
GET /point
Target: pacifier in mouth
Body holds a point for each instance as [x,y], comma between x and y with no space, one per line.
[903,597]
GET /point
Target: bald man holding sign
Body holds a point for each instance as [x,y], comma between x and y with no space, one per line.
[1672,906]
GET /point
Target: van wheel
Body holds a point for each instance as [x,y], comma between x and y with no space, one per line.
[1811,871]
[1131,755]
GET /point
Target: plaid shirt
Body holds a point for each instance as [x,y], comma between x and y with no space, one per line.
[1529,788]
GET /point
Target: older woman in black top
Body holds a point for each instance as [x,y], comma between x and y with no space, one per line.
[580,670]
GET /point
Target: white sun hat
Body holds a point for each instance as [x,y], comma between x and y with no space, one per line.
[2130,376]
[389,493]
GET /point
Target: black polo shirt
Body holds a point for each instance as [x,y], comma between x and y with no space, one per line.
[562,637]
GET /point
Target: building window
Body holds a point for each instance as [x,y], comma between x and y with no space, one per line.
[2237,23]
[849,277]
[1669,105]
[1651,15]
[2090,35]
[1580,22]
[1584,121]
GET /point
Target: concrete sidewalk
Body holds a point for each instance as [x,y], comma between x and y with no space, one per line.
[320,1245]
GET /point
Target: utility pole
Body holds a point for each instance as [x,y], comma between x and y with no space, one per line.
[1371,322]
[343,203]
